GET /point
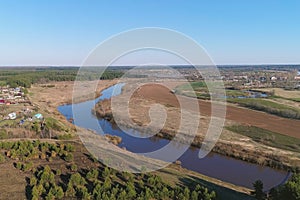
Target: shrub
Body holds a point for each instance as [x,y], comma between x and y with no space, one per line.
[53,153]
[69,148]
[73,167]
[58,172]
[33,181]
[106,172]
[2,158]
[46,175]
[36,191]
[68,157]
[70,192]
[43,156]
[55,192]
[83,193]
[19,165]
[77,180]
[65,137]
[93,174]
[27,166]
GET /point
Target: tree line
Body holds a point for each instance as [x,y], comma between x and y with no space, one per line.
[289,191]
[104,184]
[25,78]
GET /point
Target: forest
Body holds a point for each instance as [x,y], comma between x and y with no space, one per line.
[25,77]
[89,182]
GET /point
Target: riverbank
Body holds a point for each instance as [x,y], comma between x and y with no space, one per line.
[172,175]
[61,93]
[238,150]
[230,144]
[47,98]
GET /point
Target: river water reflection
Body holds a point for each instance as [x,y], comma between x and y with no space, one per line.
[214,165]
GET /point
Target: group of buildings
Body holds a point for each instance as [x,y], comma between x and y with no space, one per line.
[282,79]
[10,95]
[25,115]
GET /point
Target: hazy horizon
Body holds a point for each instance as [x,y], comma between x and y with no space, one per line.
[175,65]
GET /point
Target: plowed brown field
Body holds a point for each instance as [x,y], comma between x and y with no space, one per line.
[163,95]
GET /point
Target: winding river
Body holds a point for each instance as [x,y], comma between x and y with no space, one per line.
[214,165]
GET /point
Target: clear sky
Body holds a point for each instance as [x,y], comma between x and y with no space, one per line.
[63,32]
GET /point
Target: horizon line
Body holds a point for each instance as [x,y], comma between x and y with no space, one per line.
[132,65]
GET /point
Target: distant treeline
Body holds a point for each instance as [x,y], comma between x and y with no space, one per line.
[27,77]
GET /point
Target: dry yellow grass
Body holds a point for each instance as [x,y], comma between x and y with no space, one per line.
[281,92]
[47,99]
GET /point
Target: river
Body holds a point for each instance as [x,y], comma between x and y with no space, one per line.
[214,165]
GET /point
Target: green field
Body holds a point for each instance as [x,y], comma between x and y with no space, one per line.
[295,99]
[268,106]
[290,99]
[266,137]
[200,90]
[193,89]
[236,93]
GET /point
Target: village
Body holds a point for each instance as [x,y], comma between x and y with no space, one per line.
[10,95]
[263,79]
[16,109]
[249,77]
[252,77]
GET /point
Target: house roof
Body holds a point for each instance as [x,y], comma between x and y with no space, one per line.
[39,115]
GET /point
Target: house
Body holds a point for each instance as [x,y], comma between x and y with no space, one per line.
[17,97]
[273,78]
[12,115]
[17,90]
[38,116]
[297,78]
[5,90]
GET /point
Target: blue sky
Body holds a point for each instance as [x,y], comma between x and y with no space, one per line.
[63,32]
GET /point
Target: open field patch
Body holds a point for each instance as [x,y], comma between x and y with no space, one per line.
[268,138]
[268,107]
